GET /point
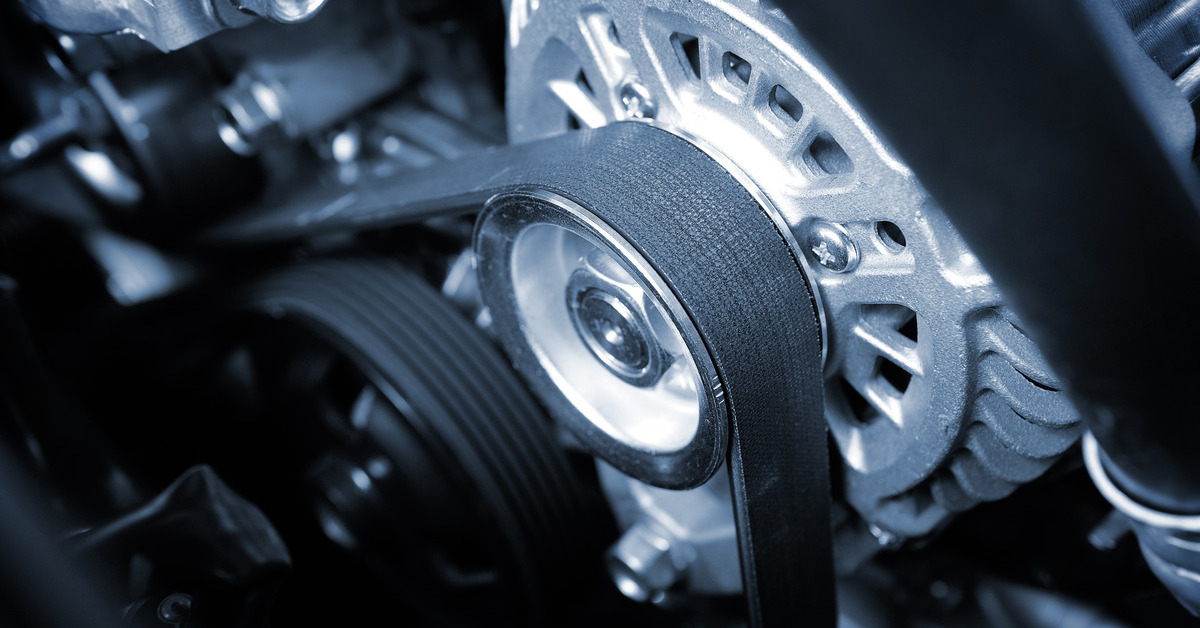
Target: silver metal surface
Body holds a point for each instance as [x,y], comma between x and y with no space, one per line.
[103,176]
[248,108]
[283,11]
[325,71]
[559,252]
[936,399]
[831,246]
[641,563]
[135,271]
[175,609]
[691,528]
[168,24]
[612,317]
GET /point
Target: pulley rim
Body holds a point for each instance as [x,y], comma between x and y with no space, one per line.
[535,245]
[741,285]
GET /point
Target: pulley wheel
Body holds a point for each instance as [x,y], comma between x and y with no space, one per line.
[430,459]
[657,309]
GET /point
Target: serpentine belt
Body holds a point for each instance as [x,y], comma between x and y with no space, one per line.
[729,266]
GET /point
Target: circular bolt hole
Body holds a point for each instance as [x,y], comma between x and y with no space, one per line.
[891,235]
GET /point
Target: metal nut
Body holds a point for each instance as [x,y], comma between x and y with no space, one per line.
[641,564]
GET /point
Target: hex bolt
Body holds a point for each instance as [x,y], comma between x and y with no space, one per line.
[641,564]
[614,333]
[613,321]
[830,245]
[637,101]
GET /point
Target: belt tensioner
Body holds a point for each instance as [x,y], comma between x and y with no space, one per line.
[659,312]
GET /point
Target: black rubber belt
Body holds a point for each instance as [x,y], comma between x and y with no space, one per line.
[734,273]
[728,264]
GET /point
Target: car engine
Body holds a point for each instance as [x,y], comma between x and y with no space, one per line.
[585,313]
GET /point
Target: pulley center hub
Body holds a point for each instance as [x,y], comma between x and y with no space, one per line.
[613,333]
[612,316]
[603,325]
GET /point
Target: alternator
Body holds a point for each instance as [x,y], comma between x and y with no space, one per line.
[935,396]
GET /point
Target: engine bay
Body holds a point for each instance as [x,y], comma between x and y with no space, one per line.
[638,312]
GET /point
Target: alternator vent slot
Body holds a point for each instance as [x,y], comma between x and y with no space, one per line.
[895,375]
[826,156]
[687,48]
[785,105]
[737,69]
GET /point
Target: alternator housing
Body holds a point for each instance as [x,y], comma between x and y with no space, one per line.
[936,398]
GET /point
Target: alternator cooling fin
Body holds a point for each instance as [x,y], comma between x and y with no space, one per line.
[1019,424]
[1000,460]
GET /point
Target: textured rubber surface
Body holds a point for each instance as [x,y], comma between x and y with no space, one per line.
[734,273]
[462,399]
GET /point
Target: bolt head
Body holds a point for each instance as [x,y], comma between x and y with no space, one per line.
[637,101]
[830,246]
[613,319]
[612,330]
[641,564]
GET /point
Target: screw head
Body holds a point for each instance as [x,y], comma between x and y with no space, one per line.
[830,245]
[637,100]
[613,320]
